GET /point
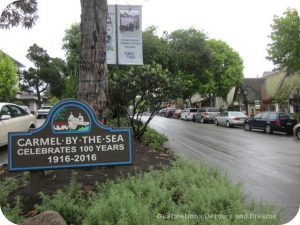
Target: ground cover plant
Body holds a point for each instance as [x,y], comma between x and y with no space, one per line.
[182,193]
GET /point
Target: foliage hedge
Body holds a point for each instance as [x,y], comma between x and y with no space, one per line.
[159,197]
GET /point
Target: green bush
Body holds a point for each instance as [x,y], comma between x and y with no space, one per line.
[124,122]
[71,203]
[9,185]
[154,139]
[14,213]
[181,194]
[162,197]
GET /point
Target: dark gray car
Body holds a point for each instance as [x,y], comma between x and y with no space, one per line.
[206,114]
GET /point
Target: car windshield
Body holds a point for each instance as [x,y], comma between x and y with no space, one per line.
[193,110]
[237,114]
[286,116]
[213,110]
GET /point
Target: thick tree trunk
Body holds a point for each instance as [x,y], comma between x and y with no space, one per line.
[92,81]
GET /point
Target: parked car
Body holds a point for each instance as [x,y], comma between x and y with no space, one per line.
[206,114]
[43,111]
[296,130]
[177,114]
[231,118]
[170,112]
[13,119]
[271,121]
[188,113]
[162,112]
[25,108]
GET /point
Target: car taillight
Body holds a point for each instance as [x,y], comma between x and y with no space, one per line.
[205,114]
[277,122]
[236,118]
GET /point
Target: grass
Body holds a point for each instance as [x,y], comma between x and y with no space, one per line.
[180,194]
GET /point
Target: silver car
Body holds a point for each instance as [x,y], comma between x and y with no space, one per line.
[296,130]
[231,118]
[206,114]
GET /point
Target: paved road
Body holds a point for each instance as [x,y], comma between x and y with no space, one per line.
[267,165]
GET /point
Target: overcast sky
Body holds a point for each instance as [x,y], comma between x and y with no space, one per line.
[243,24]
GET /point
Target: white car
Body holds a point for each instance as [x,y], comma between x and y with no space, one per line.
[188,113]
[43,111]
[296,130]
[14,119]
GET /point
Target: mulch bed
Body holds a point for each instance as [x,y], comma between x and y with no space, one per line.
[144,159]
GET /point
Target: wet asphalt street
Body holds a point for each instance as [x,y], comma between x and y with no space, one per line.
[268,166]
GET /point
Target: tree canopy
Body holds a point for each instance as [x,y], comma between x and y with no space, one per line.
[284,50]
[21,12]
[8,78]
[225,69]
[48,73]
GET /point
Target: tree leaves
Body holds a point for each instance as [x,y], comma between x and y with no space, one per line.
[284,50]
[8,79]
[22,12]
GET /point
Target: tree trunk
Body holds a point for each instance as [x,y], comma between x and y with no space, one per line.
[92,80]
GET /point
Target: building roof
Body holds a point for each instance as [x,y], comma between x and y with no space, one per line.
[24,95]
[20,65]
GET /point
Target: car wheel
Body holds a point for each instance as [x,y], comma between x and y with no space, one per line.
[247,127]
[201,120]
[297,133]
[216,122]
[268,129]
[228,124]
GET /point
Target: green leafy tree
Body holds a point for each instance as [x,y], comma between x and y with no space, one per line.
[190,58]
[49,73]
[71,85]
[156,49]
[225,69]
[71,44]
[22,12]
[189,51]
[8,79]
[284,50]
[144,88]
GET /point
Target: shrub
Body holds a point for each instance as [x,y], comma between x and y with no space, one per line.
[164,197]
[70,203]
[154,139]
[9,185]
[169,196]
[14,213]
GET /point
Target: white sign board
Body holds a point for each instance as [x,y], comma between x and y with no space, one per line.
[111,37]
[128,46]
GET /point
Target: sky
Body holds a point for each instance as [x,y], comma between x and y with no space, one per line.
[243,24]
